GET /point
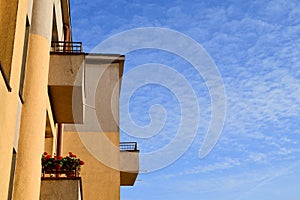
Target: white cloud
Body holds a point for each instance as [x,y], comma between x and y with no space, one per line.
[256,47]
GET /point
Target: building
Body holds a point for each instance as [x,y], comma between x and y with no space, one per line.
[47,84]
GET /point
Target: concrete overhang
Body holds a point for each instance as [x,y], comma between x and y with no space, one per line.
[129,164]
[66,86]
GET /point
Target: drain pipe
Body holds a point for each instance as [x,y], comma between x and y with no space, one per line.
[60,131]
[67,37]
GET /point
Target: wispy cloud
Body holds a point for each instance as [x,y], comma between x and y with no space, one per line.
[255,45]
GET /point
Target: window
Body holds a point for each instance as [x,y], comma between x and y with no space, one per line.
[5,77]
[8,16]
[12,174]
[23,67]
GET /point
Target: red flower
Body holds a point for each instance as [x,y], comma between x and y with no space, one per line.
[45,153]
[81,162]
[48,156]
[60,157]
[72,155]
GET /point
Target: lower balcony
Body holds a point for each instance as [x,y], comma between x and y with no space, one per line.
[60,177]
[129,163]
[53,188]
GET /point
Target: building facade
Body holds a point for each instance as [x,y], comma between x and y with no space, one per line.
[48,84]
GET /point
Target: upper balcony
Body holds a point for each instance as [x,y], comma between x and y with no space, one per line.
[129,163]
[66,81]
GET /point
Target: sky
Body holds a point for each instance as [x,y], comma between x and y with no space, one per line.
[255,54]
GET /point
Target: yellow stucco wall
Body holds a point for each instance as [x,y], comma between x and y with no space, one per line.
[8,21]
[12,23]
[98,180]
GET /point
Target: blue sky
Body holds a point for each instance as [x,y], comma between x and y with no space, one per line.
[255,46]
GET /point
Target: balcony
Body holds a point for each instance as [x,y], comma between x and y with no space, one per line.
[129,163]
[66,82]
[60,177]
[61,188]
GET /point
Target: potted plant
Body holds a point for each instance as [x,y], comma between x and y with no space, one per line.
[69,165]
[72,164]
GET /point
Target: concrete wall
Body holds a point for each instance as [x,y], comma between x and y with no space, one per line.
[65,69]
[107,105]
[55,189]
[129,166]
[129,161]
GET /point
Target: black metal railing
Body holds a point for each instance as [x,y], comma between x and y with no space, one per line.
[128,146]
[68,47]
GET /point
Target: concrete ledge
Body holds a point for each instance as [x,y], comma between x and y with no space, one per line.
[61,188]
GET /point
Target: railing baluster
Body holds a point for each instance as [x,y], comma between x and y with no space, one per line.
[69,47]
[128,146]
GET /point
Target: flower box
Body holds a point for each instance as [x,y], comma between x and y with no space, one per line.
[57,165]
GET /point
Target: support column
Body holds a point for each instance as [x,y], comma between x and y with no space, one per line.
[33,119]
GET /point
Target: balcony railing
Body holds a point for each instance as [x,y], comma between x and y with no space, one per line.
[128,146]
[60,173]
[66,47]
